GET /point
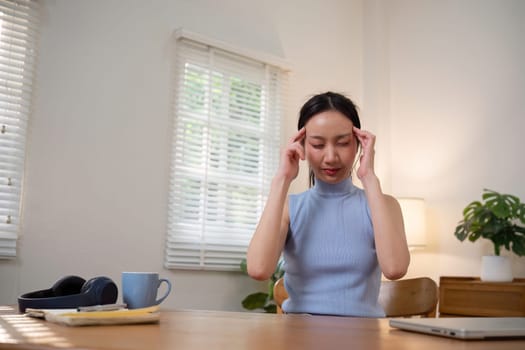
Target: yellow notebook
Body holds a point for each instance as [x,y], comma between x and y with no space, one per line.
[72,317]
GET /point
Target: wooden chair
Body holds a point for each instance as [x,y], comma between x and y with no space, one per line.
[401,298]
[409,297]
[279,294]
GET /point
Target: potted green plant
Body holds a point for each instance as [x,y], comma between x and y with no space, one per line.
[262,300]
[499,218]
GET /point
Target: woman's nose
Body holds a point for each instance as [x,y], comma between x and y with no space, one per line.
[330,154]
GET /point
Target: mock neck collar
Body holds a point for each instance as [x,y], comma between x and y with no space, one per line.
[343,187]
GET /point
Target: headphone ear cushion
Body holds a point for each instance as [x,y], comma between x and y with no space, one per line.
[102,289]
[67,286]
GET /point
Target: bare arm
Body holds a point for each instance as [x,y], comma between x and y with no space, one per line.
[268,240]
[387,219]
[389,232]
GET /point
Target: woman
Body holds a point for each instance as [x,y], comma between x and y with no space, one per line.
[336,239]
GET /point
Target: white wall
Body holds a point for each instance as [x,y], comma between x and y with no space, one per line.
[439,82]
[97,167]
[449,76]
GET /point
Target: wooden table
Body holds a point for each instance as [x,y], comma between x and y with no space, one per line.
[210,330]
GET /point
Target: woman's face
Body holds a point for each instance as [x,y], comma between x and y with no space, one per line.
[330,146]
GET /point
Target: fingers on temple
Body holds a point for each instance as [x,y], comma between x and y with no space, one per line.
[299,135]
[298,149]
[364,136]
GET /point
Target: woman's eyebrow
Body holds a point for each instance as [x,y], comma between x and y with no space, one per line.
[342,136]
[337,137]
[315,137]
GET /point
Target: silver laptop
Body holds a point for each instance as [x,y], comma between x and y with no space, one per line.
[464,327]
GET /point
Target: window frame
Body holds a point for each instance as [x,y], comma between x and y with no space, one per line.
[18,52]
[207,248]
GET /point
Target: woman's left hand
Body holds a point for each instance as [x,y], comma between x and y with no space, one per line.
[366,160]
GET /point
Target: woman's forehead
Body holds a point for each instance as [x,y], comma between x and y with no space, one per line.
[329,124]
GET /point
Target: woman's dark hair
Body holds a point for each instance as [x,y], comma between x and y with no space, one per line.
[328,101]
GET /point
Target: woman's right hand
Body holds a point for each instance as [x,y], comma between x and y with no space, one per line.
[292,153]
[269,238]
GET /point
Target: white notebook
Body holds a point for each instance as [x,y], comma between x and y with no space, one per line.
[464,327]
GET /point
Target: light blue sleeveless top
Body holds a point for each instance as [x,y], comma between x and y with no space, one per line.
[330,260]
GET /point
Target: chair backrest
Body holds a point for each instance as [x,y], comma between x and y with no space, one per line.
[279,294]
[409,297]
[401,298]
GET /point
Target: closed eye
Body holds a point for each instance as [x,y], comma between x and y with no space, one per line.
[318,146]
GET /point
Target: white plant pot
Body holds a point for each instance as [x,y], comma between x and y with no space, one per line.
[496,269]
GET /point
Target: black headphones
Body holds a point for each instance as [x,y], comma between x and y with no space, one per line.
[71,292]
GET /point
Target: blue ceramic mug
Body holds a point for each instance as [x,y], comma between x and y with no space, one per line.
[140,289]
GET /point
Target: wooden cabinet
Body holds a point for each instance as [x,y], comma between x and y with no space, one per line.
[469,296]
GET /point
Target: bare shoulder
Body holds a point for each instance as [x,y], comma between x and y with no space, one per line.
[392,201]
[390,198]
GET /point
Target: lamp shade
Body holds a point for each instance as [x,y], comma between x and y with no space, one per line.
[414,218]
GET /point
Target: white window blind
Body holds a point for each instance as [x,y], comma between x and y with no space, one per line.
[18,21]
[225,151]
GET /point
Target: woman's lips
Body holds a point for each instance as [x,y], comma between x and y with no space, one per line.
[330,172]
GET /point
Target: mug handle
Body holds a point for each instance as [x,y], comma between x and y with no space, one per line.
[168,283]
